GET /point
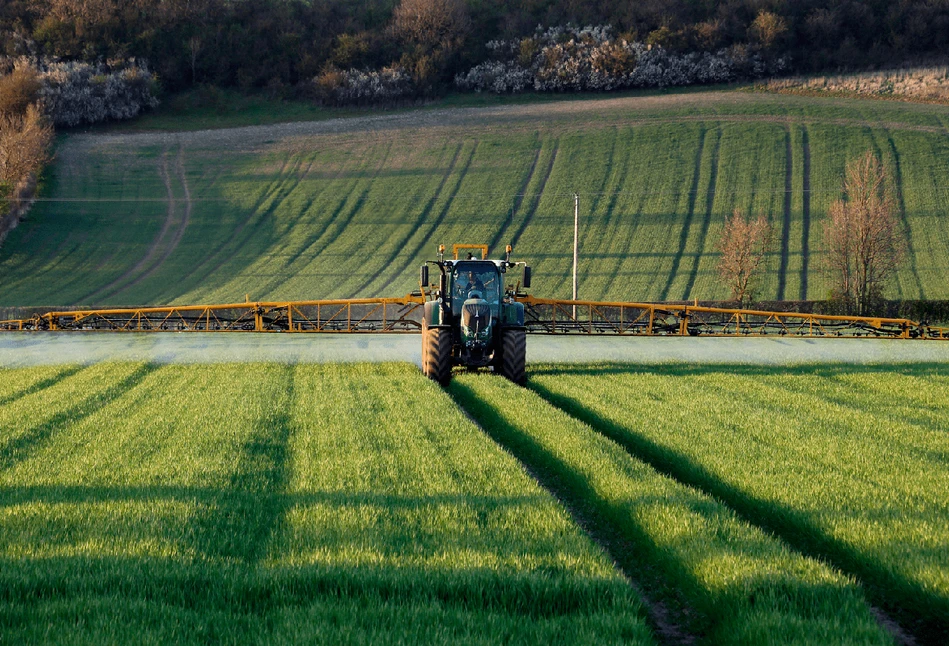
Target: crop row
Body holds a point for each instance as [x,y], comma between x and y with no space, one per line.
[254,503]
[842,463]
[342,215]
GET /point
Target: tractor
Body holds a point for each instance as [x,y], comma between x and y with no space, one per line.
[471,319]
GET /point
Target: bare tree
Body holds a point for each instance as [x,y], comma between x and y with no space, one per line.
[865,242]
[433,24]
[24,148]
[743,245]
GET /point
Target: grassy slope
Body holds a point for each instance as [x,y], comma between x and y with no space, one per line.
[847,464]
[263,503]
[352,213]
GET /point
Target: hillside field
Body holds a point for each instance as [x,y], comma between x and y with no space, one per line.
[241,503]
[350,207]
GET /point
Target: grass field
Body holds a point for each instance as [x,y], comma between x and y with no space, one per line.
[350,207]
[845,463]
[358,503]
[265,503]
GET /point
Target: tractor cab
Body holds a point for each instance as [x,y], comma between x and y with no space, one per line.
[476,279]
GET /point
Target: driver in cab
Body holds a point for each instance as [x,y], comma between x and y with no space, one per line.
[469,282]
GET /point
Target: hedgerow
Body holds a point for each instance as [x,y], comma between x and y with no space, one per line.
[571,59]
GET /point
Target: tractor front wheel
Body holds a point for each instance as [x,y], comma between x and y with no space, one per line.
[514,355]
[436,354]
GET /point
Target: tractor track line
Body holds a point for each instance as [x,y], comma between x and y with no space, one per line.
[901,202]
[353,184]
[160,248]
[276,283]
[414,227]
[179,234]
[538,196]
[20,449]
[707,220]
[282,190]
[267,192]
[356,207]
[635,219]
[805,211]
[62,375]
[518,199]
[615,221]
[787,524]
[598,529]
[438,220]
[786,220]
[690,211]
[240,520]
[608,222]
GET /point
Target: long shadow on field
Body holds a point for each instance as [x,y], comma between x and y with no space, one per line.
[128,585]
[924,612]
[238,522]
[152,594]
[50,381]
[26,444]
[687,369]
[576,494]
[664,562]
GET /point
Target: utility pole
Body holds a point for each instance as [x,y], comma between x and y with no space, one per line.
[576,236]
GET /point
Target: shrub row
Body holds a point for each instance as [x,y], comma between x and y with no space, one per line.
[75,93]
[564,59]
[347,87]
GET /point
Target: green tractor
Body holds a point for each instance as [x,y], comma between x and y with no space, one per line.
[472,320]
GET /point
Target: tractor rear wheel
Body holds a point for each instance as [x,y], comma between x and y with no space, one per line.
[514,355]
[436,354]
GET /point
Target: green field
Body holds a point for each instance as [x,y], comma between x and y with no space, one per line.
[241,503]
[350,207]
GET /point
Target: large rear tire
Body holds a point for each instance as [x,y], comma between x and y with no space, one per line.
[436,354]
[514,355]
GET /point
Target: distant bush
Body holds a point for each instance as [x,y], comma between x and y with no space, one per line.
[355,87]
[18,90]
[563,59]
[79,93]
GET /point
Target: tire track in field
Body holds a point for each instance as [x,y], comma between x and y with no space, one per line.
[613,231]
[239,521]
[419,221]
[806,212]
[636,217]
[277,282]
[539,195]
[608,222]
[594,525]
[707,220]
[901,202]
[179,233]
[281,192]
[690,211]
[33,440]
[786,222]
[356,206]
[332,219]
[518,199]
[417,249]
[166,242]
[269,190]
[787,524]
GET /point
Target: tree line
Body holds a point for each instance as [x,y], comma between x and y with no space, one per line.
[283,45]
